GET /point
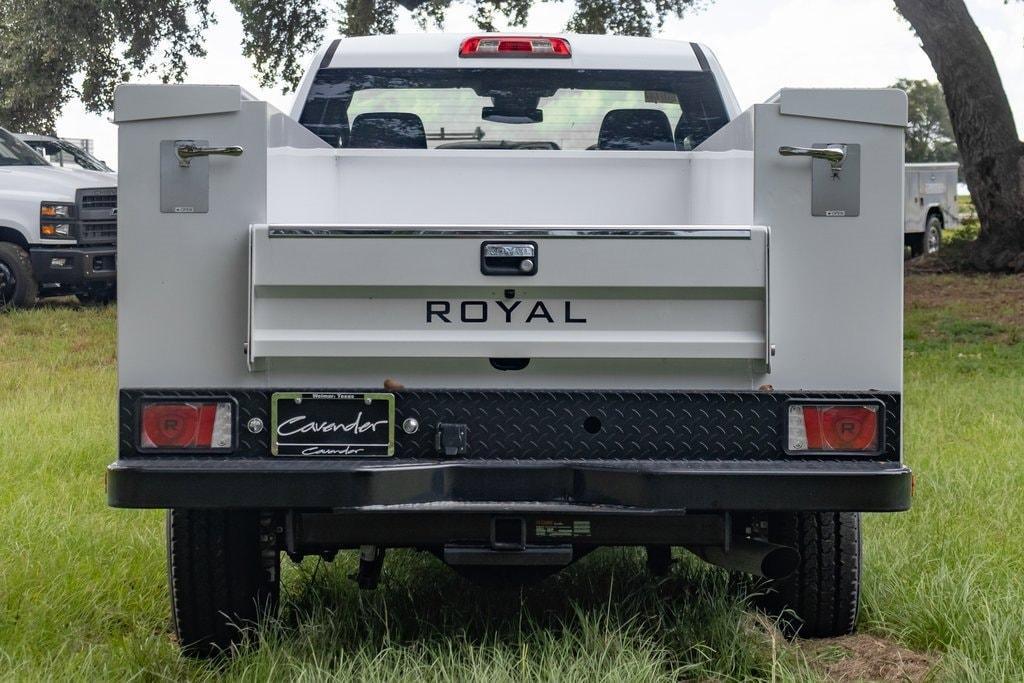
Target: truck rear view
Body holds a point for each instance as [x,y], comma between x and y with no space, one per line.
[508,299]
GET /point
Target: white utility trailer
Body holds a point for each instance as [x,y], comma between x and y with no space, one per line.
[930,205]
[508,299]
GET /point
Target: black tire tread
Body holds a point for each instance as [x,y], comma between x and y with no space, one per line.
[934,223]
[821,598]
[218,584]
[27,291]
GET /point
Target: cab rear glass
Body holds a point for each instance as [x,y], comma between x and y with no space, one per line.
[14,152]
[548,109]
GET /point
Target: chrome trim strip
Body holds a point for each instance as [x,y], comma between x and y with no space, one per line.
[514,232]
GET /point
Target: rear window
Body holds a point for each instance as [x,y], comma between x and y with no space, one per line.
[14,152]
[61,153]
[550,109]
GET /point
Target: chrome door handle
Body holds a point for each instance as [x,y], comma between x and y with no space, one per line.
[833,154]
[187,152]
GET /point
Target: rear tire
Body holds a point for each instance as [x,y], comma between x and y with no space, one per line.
[929,241]
[18,286]
[220,583]
[821,598]
[933,235]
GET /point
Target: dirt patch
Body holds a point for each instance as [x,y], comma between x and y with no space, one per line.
[996,298]
[967,306]
[867,658]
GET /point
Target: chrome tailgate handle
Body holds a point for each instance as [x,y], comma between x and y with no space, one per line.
[188,151]
[833,154]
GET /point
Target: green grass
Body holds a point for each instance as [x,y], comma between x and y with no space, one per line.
[947,575]
[83,587]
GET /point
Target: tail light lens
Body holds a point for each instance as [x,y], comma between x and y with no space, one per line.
[184,426]
[844,428]
[514,46]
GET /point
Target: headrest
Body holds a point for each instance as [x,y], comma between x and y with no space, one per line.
[388,130]
[690,133]
[646,129]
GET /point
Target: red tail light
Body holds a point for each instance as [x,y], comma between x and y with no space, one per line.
[206,425]
[838,428]
[514,46]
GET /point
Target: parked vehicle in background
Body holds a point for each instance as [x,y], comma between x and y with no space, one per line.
[509,299]
[930,205]
[63,153]
[58,228]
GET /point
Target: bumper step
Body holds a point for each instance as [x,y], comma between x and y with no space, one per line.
[508,486]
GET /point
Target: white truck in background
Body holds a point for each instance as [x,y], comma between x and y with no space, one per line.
[930,206]
[58,229]
[61,152]
[507,299]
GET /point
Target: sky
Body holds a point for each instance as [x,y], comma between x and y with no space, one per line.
[763,45]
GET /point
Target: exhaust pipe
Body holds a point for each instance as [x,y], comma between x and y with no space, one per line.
[760,558]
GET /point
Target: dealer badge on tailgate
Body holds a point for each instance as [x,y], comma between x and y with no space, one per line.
[324,424]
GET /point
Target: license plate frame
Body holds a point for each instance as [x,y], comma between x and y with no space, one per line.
[330,417]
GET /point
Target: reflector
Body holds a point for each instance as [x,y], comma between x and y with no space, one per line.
[514,46]
[186,425]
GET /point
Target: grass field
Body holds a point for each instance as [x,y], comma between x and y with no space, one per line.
[83,588]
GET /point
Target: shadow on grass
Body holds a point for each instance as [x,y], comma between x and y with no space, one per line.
[420,597]
[72,303]
[603,616]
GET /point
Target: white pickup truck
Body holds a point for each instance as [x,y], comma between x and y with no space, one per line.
[507,299]
[58,228]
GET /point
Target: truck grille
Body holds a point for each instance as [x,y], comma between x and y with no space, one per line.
[98,232]
[99,201]
[97,215]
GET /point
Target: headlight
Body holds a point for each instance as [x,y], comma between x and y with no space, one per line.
[54,220]
[55,210]
[55,229]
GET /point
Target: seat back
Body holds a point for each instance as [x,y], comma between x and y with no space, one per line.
[388,130]
[643,129]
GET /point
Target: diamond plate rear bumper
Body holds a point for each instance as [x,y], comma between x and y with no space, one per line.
[645,426]
[625,486]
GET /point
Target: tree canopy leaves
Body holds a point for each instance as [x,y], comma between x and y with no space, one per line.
[277,34]
[58,50]
[929,132]
[54,50]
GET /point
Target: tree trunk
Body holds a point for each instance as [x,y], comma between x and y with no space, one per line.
[992,153]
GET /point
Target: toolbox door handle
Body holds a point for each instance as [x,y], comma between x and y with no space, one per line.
[833,154]
[188,151]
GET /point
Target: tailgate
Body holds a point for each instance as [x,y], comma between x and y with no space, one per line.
[420,291]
